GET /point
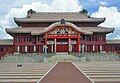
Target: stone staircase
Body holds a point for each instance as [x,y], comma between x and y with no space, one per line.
[63,57]
[101,72]
[27,73]
[30,72]
[98,56]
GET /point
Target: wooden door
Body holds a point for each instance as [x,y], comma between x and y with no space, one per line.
[62,48]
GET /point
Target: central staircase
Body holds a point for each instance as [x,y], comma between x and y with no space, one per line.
[63,57]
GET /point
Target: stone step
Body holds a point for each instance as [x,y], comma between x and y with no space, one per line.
[102,74]
[18,80]
[106,80]
[102,71]
[21,77]
[61,53]
[104,77]
[97,76]
[22,72]
[4,70]
[19,74]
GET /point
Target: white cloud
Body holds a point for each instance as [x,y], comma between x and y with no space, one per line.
[117,37]
[103,3]
[111,14]
[54,6]
[92,0]
[112,19]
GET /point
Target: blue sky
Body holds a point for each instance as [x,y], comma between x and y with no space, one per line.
[90,5]
[96,8]
[93,5]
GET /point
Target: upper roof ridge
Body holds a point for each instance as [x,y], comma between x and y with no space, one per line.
[57,13]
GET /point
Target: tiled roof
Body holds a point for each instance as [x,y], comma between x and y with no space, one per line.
[98,29]
[113,41]
[6,42]
[40,30]
[25,30]
[57,16]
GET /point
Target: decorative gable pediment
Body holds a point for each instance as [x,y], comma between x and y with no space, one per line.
[63,30]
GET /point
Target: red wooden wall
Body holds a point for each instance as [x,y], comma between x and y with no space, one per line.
[112,48]
[6,49]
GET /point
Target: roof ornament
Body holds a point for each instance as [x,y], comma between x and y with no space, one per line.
[30,12]
[62,21]
[84,11]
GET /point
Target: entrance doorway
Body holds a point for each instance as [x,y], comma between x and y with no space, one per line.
[62,45]
[62,48]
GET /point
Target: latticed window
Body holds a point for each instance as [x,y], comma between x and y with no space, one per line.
[82,37]
[103,38]
[88,38]
[30,48]
[24,39]
[92,38]
[1,49]
[95,38]
[118,47]
[30,39]
[37,38]
[27,39]
[17,40]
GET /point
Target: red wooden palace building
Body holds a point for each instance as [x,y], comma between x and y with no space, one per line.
[60,31]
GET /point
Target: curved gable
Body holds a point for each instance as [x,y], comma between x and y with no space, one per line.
[68,27]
